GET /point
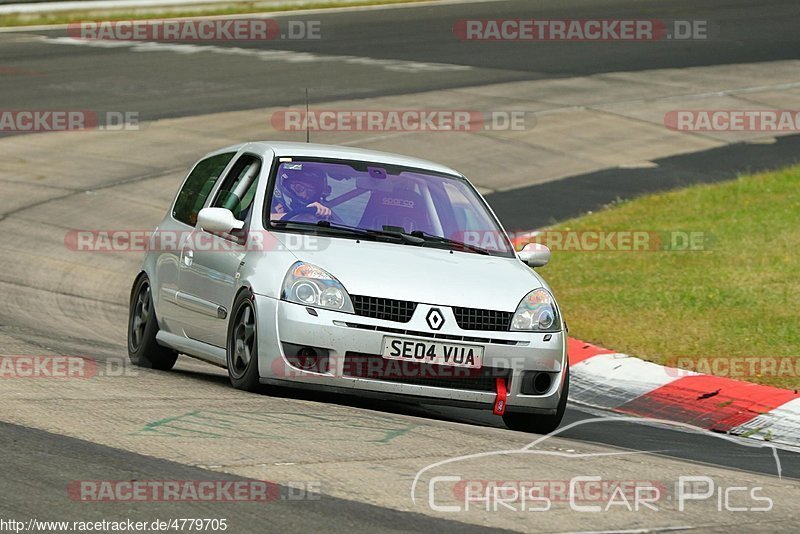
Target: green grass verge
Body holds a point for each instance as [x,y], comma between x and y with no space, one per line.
[739,298]
[232,8]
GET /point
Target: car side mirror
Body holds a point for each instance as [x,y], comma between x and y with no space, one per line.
[218,220]
[534,254]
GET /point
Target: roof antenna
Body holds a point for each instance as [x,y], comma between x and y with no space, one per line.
[307,132]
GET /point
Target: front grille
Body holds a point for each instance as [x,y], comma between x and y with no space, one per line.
[384,309]
[375,367]
[477,319]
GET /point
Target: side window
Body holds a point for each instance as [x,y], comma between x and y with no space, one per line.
[198,186]
[239,188]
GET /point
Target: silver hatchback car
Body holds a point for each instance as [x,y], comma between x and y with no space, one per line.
[350,271]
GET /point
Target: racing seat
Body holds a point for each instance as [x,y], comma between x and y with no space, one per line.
[403,208]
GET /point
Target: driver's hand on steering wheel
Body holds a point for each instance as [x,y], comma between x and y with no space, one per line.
[323,212]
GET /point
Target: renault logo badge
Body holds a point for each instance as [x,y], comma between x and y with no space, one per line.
[435,319]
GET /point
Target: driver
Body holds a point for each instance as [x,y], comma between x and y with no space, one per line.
[300,186]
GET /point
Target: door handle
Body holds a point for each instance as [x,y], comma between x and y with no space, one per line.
[188,257]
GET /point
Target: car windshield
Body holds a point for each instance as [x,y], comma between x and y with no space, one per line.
[438,209]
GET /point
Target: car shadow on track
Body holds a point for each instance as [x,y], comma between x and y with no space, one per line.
[624,434]
[438,413]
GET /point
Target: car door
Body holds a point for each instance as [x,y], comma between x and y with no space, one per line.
[210,262]
[174,229]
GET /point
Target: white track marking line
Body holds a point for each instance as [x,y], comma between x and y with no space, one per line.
[780,425]
[280,11]
[288,56]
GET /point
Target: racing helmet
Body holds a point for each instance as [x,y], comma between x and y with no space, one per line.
[300,184]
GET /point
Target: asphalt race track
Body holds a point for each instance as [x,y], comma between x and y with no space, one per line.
[364,454]
[166,85]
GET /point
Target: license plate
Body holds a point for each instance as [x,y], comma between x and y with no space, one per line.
[433,352]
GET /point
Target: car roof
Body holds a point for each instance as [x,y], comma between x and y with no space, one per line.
[287,149]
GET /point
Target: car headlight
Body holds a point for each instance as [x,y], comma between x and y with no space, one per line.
[537,312]
[311,286]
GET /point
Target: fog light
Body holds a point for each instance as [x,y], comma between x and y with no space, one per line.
[541,383]
[536,382]
[307,359]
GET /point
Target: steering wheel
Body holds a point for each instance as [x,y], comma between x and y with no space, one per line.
[309,214]
[305,210]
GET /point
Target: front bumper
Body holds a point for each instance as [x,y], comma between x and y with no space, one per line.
[282,323]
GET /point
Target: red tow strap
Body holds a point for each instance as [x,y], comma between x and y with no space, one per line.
[500,401]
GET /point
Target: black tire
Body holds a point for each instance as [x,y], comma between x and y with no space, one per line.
[242,345]
[539,424]
[143,349]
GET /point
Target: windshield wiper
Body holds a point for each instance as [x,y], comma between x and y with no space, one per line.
[452,242]
[417,237]
[406,238]
[323,224]
[368,233]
